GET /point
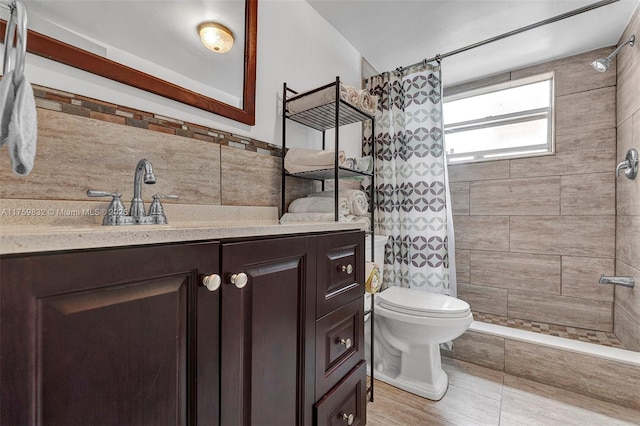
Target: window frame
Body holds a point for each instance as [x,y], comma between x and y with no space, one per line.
[504,119]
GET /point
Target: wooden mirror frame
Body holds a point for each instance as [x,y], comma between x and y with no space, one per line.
[50,48]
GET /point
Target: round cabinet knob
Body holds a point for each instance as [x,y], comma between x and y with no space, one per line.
[211,282]
[348,417]
[239,280]
[347,343]
[348,269]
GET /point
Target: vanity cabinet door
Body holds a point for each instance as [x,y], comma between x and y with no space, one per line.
[108,337]
[267,331]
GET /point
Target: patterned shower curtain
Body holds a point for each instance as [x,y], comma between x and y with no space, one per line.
[411,182]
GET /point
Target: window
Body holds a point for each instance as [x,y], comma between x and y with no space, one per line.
[513,119]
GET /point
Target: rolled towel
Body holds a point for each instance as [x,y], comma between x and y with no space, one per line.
[319,205]
[303,160]
[366,102]
[357,199]
[341,157]
[372,276]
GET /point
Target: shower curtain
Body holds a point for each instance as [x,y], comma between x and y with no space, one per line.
[411,182]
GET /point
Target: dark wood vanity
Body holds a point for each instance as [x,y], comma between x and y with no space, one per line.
[130,335]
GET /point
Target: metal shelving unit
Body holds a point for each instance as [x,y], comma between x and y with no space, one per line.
[330,115]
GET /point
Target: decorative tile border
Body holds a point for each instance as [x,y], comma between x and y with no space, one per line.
[583,335]
[69,103]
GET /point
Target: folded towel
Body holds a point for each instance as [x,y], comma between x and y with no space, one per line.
[23,129]
[372,277]
[323,217]
[319,205]
[357,199]
[310,217]
[7,100]
[303,160]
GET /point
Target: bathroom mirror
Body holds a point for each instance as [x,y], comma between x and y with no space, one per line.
[154,46]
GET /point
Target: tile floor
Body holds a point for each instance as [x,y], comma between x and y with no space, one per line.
[481,396]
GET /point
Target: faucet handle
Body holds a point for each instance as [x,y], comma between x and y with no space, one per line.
[116,213]
[156,211]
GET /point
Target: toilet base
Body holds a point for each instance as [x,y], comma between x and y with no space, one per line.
[433,391]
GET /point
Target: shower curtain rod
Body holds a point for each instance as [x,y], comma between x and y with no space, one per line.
[514,32]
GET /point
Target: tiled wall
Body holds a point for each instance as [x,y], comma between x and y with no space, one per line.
[85,143]
[627,301]
[533,235]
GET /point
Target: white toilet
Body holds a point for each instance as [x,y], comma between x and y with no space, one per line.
[409,327]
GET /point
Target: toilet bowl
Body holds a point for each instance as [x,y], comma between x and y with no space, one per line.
[409,326]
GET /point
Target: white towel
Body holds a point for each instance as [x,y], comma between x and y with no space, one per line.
[359,205]
[303,160]
[323,217]
[318,205]
[7,100]
[23,129]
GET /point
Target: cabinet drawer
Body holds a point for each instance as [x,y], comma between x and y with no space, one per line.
[339,344]
[340,270]
[346,403]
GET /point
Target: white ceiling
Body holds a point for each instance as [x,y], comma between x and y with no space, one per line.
[393,33]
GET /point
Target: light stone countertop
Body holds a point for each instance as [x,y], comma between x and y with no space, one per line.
[29,226]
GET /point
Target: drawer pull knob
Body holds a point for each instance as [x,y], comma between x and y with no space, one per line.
[211,282]
[348,269]
[348,417]
[239,280]
[347,343]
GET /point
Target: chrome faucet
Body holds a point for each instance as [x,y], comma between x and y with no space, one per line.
[136,211]
[116,214]
[623,281]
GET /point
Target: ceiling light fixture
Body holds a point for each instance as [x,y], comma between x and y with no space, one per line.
[603,64]
[215,37]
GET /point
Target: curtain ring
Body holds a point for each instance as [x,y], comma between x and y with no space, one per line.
[438,58]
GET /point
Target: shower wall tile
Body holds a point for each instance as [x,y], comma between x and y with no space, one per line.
[253,179]
[571,311]
[484,82]
[599,378]
[573,74]
[462,266]
[588,194]
[459,197]
[580,276]
[488,300]
[481,349]
[627,329]
[628,191]
[532,196]
[479,171]
[577,153]
[563,235]
[516,271]
[586,111]
[628,240]
[482,232]
[90,153]
[629,298]
[628,63]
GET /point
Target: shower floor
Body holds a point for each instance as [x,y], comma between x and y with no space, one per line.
[584,335]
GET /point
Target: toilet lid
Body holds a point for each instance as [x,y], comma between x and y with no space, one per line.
[417,302]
